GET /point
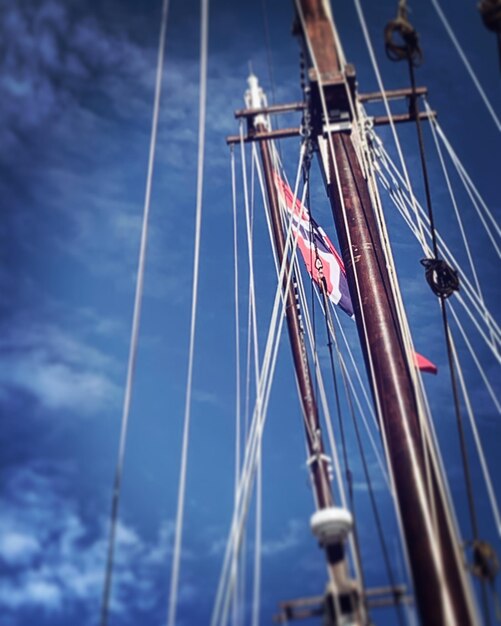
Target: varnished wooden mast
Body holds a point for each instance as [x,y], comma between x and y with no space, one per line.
[441,586]
[346,594]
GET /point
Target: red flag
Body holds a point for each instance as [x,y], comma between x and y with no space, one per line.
[424,365]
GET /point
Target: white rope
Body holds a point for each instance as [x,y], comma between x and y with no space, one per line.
[466,63]
[427,250]
[176,557]
[237,355]
[468,290]
[220,611]
[460,167]
[476,360]
[476,199]
[459,220]
[134,338]
[478,443]
[415,373]
[359,404]
[256,603]
[476,438]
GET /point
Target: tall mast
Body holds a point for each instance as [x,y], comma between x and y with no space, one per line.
[441,586]
[343,592]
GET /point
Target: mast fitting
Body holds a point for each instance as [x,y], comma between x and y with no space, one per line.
[331,525]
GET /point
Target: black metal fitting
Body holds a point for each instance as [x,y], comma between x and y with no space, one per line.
[441,277]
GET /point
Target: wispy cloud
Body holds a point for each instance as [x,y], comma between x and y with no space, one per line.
[61,370]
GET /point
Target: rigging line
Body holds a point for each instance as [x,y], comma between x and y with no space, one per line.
[349,475]
[237,526]
[363,323]
[322,393]
[479,213]
[237,350]
[406,334]
[459,297]
[250,247]
[377,72]
[459,220]
[453,370]
[461,167]
[375,509]
[328,421]
[343,211]
[356,369]
[476,361]
[465,179]
[269,57]
[257,424]
[478,443]
[469,291]
[252,344]
[297,273]
[453,366]
[350,247]
[258,513]
[134,338]
[252,336]
[256,604]
[176,557]
[466,63]
[259,417]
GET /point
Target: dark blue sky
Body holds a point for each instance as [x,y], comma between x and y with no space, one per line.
[76,92]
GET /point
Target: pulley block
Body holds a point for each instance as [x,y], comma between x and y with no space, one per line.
[441,277]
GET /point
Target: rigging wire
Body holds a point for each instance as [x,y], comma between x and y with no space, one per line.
[350,247]
[487,478]
[459,220]
[348,473]
[466,63]
[136,318]
[220,609]
[444,282]
[377,73]
[237,351]
[480,451]
[461,169]
[176,557]
[368,479]
[473,194]
[399,198]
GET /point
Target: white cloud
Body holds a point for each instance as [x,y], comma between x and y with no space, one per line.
[17,547]
[55,557]
[61,370]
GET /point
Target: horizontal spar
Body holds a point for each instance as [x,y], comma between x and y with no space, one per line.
[380,120]
[392,94]
[281,133]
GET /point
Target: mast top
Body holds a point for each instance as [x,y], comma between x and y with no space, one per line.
[255,98]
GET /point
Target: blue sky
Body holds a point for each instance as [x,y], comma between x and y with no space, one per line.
[76,92]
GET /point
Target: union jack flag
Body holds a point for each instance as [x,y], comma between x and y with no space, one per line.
[318,252]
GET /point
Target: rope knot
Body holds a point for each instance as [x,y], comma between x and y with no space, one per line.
[401,40]
[441,277]
[485,561]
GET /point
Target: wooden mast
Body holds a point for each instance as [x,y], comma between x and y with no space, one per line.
[345,594]
[442,589]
